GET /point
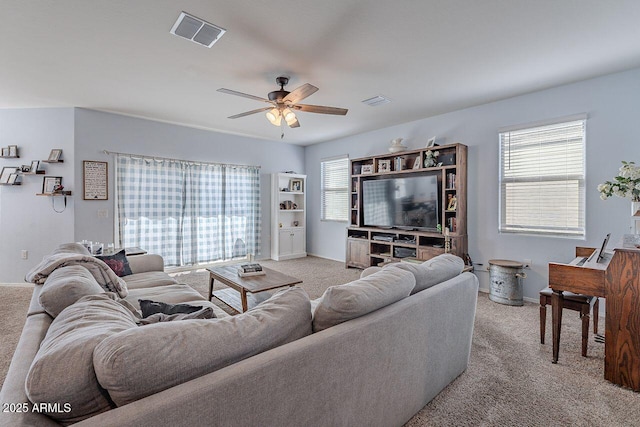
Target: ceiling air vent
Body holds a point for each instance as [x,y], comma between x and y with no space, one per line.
[197,30]
[376,100]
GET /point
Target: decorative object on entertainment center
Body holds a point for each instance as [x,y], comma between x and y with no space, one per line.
[288,216]
[366,169]
[384,166]
[397,146]
[418,220]
[431,142]
[431,158]
[626,185]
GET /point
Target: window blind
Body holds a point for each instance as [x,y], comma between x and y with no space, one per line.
[334,194]
[542,180]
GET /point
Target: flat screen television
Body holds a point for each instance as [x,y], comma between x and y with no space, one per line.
[408,203]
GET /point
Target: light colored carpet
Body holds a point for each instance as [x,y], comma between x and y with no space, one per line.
[510,380]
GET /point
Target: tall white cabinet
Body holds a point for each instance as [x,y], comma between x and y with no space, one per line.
[288,216]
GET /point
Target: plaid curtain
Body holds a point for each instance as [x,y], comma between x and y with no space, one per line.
[189,213]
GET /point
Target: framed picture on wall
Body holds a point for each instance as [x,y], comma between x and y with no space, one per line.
[35,164]
[6,173]
[95,180]
[55,154]
[49,184]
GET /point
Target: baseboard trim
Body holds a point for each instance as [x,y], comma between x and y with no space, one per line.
[19,285]
[324,257]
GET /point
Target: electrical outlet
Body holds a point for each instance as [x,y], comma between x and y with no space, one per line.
[103,213]
[527,263]
[24,254]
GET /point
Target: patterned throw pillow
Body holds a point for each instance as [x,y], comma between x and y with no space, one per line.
[118,263]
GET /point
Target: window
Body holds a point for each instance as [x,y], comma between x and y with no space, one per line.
[542,179]
[334,197]
[190,213]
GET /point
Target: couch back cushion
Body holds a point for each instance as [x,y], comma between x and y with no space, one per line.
[431,272]
[345,302]
[143,361]
[65,286]
[62,372]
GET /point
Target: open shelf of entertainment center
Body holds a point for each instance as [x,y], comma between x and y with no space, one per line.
[371,245]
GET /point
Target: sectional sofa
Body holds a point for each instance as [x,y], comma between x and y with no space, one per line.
[372,352]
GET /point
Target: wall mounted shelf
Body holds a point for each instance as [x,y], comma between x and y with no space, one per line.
[52,161]
[64,193]
[34,173]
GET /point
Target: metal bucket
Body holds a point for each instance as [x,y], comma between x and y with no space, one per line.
[506,281]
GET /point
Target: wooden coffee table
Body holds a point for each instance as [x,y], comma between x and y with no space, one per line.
[244,293]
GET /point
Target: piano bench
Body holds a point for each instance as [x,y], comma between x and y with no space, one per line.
[576,302]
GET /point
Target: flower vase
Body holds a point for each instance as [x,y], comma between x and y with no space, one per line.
[635,217]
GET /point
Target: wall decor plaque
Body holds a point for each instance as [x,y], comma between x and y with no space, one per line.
[95,180]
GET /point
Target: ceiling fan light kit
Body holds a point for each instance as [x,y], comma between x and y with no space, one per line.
[284,102]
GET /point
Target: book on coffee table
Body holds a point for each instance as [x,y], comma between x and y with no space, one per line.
[251,273]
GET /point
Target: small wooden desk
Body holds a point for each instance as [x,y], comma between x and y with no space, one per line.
[618,280]
[246,292]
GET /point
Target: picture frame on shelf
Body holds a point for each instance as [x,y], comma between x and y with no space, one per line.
[417,163]
[49,184]
[12,178]
[367,169]
[384,166]
[55,154]
[13,151]
[453,204]
[5,151]
[35,164]
[431,142]
[6,172]
[295,185]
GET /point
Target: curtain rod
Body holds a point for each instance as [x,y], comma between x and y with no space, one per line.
[181,160]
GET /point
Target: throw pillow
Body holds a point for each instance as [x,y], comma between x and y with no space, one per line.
[205,313]
[118,263]
[152,307]
[433,271]
[345,302]
[62,371]
[138,362]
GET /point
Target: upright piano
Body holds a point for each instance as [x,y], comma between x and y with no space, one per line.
[616,278]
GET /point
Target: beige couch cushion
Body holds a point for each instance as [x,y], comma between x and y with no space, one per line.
[345,302]
[62,371]
[433,271]
[65,286]
[148,279]
[143,361]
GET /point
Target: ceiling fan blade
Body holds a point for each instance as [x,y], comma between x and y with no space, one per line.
[300,93]
[295,124]
[244,95]
[320,109]
[248,113]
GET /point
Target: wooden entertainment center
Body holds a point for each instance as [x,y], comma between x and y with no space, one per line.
[367,246]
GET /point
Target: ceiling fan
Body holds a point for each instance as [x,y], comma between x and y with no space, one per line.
[284,103]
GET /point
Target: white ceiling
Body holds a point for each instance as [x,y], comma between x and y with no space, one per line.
[429,57]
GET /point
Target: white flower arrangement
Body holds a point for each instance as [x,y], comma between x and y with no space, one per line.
[430,158]
[625,185]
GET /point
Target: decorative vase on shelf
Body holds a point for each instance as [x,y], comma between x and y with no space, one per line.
[635,217]
[396,146]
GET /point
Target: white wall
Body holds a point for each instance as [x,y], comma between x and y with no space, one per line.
[612,103]
[28,222]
